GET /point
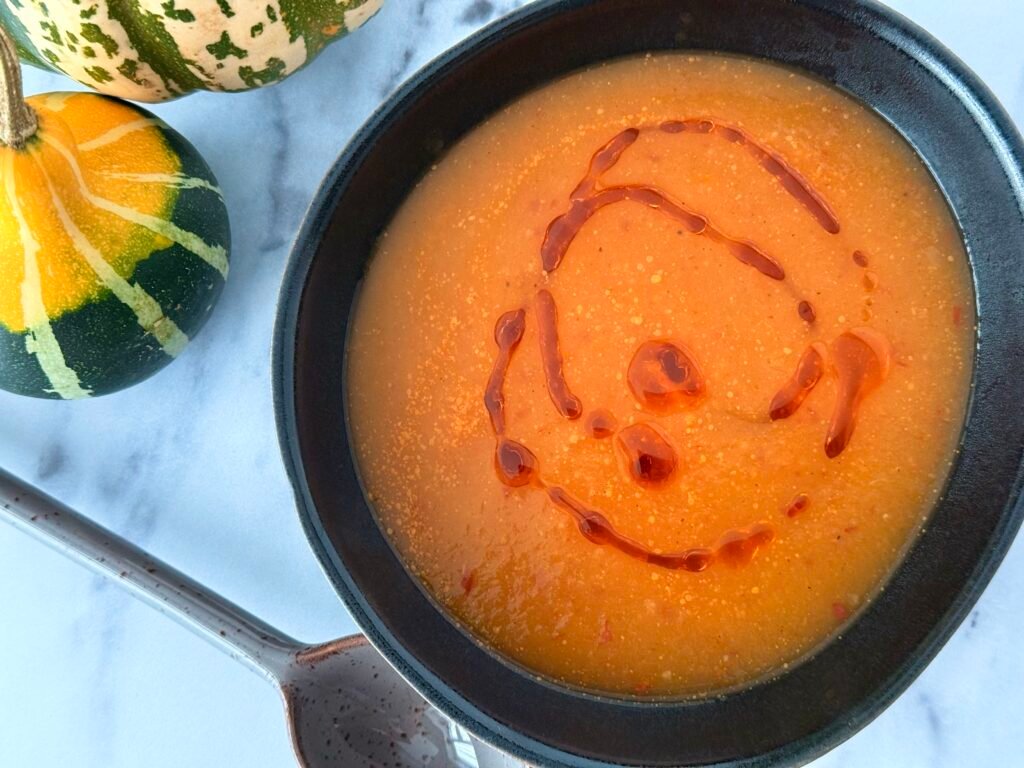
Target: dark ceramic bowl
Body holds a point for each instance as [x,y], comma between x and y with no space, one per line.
[974,152]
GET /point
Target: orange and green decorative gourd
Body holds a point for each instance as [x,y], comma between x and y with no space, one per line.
[113,241]
[153,50]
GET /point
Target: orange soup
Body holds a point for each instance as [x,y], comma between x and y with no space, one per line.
[655,375]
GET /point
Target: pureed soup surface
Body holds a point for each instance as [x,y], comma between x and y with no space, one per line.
[655,375]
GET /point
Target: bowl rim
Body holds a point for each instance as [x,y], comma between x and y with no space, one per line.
[888,25]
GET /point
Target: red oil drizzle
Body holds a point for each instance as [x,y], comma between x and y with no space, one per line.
[649,455]
[860,258]
[799,503]
[600,424]
[515,463]
[806,311]
[563,230]
[603,160]
[652,455]
[597,528]
[738,547]
[547,321]
[681,126]
[508,332]
[664,377]
[808,373]
[861,359]
[790,179]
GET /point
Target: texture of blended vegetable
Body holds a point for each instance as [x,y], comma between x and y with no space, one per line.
[656,373]
[154,50]
[113,248]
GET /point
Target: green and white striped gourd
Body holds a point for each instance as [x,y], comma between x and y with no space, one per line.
[113,241]
[154,50]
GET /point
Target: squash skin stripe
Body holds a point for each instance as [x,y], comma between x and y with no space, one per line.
[214,255]
[16,29]
[39,338]
[155,46]
[55,102]
[147,311]
[116,134]
[356,17]
[179,181]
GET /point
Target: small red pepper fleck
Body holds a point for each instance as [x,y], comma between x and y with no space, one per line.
[840,611]
[468,580]
[797,505]
[958,314]
[605,635]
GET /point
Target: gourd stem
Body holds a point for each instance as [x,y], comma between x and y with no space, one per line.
[18,123]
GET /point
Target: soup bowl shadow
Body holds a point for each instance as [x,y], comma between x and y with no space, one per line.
[972,149]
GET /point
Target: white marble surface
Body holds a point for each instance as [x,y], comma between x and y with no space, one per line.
[187,465]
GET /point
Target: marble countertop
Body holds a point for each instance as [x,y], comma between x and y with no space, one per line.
[187,465]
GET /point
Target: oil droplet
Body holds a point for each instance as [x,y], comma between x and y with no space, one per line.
[650,457]
[799,503]
[515,463]
[600,424]
[664,377]
[861,358]
[806,377]
[738,547]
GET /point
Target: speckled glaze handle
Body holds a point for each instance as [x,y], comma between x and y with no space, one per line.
[342,683]
[242,635]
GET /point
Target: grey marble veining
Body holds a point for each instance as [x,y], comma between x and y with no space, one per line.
[187,465]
